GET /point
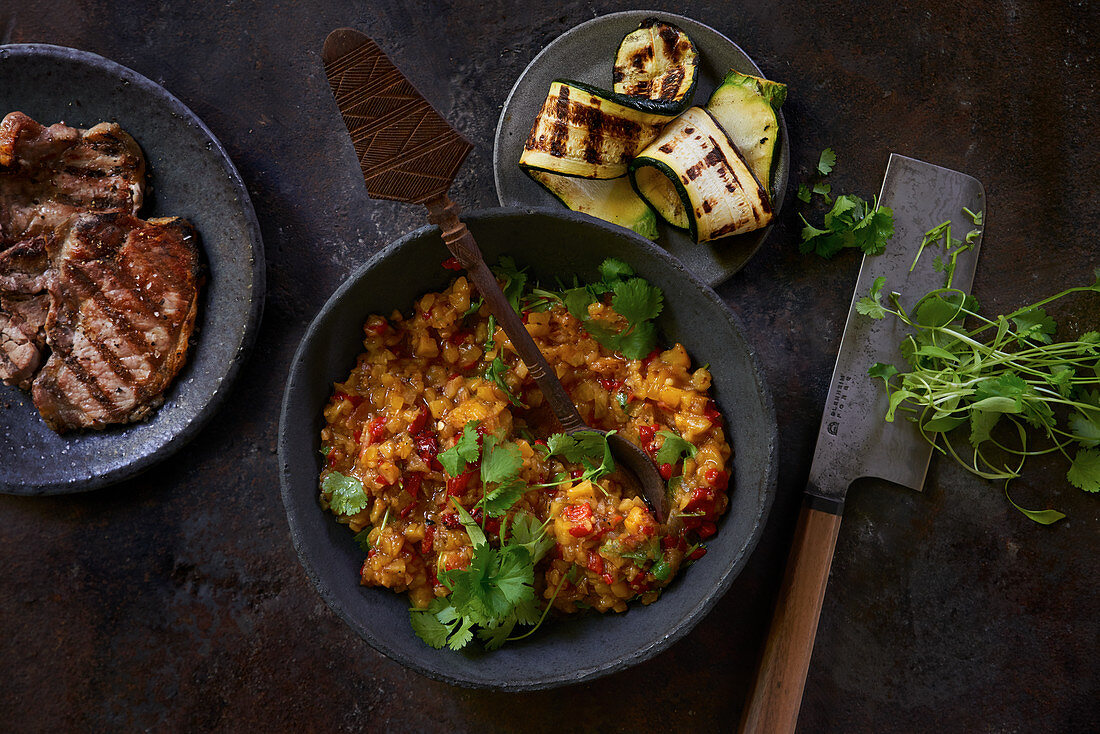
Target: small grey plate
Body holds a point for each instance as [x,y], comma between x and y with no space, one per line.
[551,243]
[191,176]
[586,53]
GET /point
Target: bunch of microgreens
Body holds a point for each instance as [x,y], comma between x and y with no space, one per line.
[1006,373]
[851,222]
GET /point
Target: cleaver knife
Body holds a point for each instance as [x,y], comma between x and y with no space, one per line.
[854,440]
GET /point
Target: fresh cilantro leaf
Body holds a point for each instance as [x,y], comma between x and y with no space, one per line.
[885,371]
[577,301]
[1035,324]
[428,627]
[843,213]
[1084,472]
[528,532]
[514,280]
[613,270]
[346,495]
[500,460]
[495,637]
[465,451]
[1086,428]
[804,193]
[514,574]
[826,162]
[636,300]
[673,449]
[500,500]
[495,373]
[639,341]
[875,230]
[588,448]
[362,539]
[822,189]
[325,451]
[871,304]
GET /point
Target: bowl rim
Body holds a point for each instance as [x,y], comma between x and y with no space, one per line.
[247,332]
[687,620]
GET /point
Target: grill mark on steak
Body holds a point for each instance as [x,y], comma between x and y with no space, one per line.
[125,297]
[47,174]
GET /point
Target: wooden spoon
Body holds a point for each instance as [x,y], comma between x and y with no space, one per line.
[409,153]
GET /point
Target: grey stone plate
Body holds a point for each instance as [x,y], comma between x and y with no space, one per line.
[190,176]
[586,53]
[550,243]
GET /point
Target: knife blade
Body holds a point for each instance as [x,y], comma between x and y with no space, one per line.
[854,439]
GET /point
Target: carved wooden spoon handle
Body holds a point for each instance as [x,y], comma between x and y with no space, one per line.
[444,213]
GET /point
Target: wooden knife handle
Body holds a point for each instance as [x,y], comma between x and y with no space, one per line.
[776,695]
[444,213]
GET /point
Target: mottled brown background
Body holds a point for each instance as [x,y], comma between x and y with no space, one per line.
[175,601]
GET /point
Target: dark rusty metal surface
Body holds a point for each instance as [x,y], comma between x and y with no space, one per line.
[175,602]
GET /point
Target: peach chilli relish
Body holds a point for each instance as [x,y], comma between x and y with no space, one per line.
[443,459]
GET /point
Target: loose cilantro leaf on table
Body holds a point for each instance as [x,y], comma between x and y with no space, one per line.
[850,223]
[346,495]
[826,162]
[1000,380]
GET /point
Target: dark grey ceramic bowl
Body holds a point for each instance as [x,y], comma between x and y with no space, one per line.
[191,176]
[549,243]
[586,53]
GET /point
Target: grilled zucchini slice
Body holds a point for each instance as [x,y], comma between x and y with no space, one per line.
[694,158]
[589,132]
[612,200]
[746,107]
[659,62]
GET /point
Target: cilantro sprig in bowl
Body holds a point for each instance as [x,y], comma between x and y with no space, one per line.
[552,246]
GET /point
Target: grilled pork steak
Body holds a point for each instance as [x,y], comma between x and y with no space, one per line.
[47,174]
[124,295]
[23,306]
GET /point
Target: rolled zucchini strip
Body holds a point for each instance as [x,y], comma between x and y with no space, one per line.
[612,200]
[659,62]
[747,109]
[695,178]
[589,132]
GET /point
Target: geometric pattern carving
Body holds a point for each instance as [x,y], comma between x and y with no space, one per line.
[406,149]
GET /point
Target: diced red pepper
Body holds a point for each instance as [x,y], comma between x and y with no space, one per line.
[666,471]
[670,541]
[576,474]
[451,521]
[427,541]
[457,485]
[412,483]
[711,412]
[697,554]
[375,429]
[650,357]
[452,263]
[706,529]
[378,329]
[418,422]
[427,445]
[717,478]
[459,336]
[595,562]
[383,480]
[607,579]
[646,433]
[609,384]
[330,459]
[577,512]
[407,510]
[355,399]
